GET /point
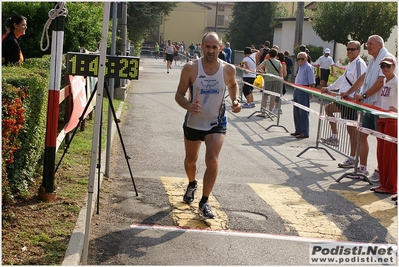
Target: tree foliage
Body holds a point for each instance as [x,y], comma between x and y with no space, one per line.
[83,25]
[252,23]
[145,17]
[344,21]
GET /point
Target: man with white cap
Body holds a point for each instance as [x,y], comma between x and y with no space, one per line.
[325,62]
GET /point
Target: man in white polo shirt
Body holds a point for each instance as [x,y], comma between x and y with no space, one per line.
[325,62]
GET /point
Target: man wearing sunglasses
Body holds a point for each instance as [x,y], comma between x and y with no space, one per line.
[372,81]
[356,67]
[305,77]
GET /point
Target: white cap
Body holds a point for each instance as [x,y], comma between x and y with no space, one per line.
[327,51]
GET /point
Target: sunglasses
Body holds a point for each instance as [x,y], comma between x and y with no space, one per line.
[301,58]
[351,49]
[384,65]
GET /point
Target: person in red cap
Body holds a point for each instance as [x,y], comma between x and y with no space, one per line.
[387,155]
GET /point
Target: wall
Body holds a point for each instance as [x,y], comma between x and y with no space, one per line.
[211,16]
[284,36]
[186,23]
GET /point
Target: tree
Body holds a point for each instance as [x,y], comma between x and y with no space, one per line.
[252,23]
[145,17]
[344,21]
[83,25]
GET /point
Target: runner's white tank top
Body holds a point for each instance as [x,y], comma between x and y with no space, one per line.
[210,91]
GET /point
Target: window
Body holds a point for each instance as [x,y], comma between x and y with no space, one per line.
[220,8]
[220,21]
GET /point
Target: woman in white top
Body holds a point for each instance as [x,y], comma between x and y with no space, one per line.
[249,63]
[387,154]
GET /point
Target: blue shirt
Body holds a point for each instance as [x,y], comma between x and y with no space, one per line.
[227,50]
[305,75]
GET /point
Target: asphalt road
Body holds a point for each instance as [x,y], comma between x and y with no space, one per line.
[270,203]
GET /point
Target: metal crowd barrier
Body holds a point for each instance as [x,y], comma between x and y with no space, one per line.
[324,131]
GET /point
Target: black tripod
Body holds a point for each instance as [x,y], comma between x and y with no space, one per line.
[81,118]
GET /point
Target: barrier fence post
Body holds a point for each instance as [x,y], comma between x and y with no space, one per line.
[279,108]
[354,174]
[262,109]
[318,134]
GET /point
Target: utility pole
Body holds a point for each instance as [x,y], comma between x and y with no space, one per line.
[299,23]
[114,16]
[216,17]
[123,27]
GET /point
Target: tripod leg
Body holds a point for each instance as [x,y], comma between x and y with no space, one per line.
[120,135]
[81,118]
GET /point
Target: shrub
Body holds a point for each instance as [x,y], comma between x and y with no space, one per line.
[26,89]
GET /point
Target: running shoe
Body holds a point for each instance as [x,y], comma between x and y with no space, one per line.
[359,171]
[330,141]
[246,105]
[205,210]
[375,177]
[189,195]
[252,104]
[349,163]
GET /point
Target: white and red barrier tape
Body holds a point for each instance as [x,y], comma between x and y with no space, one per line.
[331,97]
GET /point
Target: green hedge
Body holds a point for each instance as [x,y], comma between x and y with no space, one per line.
[26,166]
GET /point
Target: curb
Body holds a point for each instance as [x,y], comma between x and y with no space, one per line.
[74,251]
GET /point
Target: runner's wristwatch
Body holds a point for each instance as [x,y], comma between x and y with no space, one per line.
[364,95]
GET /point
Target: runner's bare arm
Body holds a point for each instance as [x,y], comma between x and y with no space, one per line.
[232,87]
[185,82]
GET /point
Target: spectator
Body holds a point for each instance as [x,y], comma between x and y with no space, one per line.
[268,55]
[11,51]
[325,62]
[191,49]
[356,67]
[274,67]
[222,55]
[7,28]
[305,77]
[249,62]
[227,51]
[387,154]
[289,63]
[176,53]
[260,57]
[277,109]
[303,48]
[372,81]
[198,50]
[162,48]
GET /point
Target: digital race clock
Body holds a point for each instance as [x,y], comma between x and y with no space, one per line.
[123,67]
